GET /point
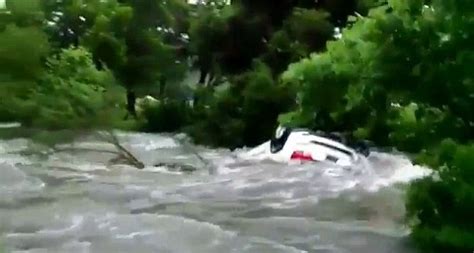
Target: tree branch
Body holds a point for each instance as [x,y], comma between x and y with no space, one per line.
[123,153]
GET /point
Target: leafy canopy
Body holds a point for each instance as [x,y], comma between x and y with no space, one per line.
[72,93]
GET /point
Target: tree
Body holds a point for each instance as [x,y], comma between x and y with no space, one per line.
[303,32]
[206,33]
[439,206]
[229,40]
[136,41]
[23,48]
[244,113]
[72,93]
[246,29]
[401,77]
[24,13]
[67,21]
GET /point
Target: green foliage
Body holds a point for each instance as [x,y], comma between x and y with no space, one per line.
[292,32]
[22,50]
[416,127]
[105,38]
[281,51]
[125,38]
[206,34]
[227,40]
[310,28]
[72,93]
[303,32]
[25,13]
[243,114]
[278,32]
[439,207]
[166,116]
[23,6]
[384,59]
[155,13]
[402,77]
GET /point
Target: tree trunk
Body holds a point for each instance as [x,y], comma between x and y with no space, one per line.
[211,78]
[162,87]
[131,99]
[203,74]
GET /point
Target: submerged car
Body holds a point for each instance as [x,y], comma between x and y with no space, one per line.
[303,145]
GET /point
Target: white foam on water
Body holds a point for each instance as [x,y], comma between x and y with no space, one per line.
[75,224]
[15,181]
[153,145]
[147,142]
[12,146]
[133,235]
[162,170]
[402,171]
[395,169]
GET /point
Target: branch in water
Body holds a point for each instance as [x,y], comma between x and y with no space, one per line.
[124,155]
[85,149]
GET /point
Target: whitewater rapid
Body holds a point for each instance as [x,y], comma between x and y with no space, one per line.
[76,202]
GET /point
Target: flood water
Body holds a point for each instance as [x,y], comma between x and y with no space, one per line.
[74,202]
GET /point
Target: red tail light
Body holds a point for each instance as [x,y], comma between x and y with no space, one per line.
[300,155]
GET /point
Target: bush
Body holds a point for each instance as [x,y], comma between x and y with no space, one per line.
[415,127]
[72,94]
[245,114]
[401,53]
[22,50]
[440,208]
[218,124]
[166,116]
[263,100]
